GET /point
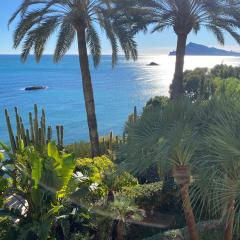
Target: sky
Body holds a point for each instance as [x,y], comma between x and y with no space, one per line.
[157,43]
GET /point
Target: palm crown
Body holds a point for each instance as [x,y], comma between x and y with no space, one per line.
[190,15]
[40,19]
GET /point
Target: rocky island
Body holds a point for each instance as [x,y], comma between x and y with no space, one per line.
[194,49]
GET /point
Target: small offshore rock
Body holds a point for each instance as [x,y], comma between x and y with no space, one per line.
[33,88]
[153,64]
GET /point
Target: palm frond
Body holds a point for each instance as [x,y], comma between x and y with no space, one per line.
[65,39]
[94,44]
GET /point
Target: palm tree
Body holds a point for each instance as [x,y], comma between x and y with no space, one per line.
[166,137]
[124,211]
[185,16]
[219,168]
[71,18]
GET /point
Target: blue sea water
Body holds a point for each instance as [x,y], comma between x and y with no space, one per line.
[116,90]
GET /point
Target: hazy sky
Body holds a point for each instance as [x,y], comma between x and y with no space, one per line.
[157,43]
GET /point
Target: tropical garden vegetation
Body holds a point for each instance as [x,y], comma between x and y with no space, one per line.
[173,174]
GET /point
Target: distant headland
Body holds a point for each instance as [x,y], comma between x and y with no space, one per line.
[194,49]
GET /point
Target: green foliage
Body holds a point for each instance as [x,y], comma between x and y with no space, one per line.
[37,183]
[8,229]
[4,185]
[203,83]
[143,191]
[147,196]
[198,84]
[156,102]
[94,167]
[224,71]
[124,180]
[89,179]
[229,86]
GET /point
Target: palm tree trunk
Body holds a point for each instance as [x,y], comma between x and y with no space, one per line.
[228,234]
[88,92]
[176,88]
[188,212]
[120,230]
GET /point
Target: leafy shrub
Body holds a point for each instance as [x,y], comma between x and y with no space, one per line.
[225,71]
[143,191]
[124,180]
[229,86]
[197,83]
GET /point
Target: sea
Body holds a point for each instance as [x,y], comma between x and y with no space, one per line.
[117,90]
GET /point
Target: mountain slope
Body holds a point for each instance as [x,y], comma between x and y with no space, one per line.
[195,49]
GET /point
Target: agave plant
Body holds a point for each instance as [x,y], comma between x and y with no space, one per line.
[166,138]
[71,19]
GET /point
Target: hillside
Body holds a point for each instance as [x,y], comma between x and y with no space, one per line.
[195,49]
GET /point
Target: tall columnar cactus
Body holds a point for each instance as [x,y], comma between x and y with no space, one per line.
[37,135]
[59,136]
[10,131]
[110,140]
[135,114]
[124,137]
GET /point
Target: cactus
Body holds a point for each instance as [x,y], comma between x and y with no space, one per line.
[10,131]
[117,140]
[61,136]
[28,141]
[31,127]
[36,131]
[36,135]
[135,114]
[110,140]
[124,137]
[49,134]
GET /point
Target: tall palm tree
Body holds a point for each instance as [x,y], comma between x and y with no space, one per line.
[185,16]
[166,137]
[40,19]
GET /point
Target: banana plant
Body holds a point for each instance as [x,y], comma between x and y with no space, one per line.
[39,182]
